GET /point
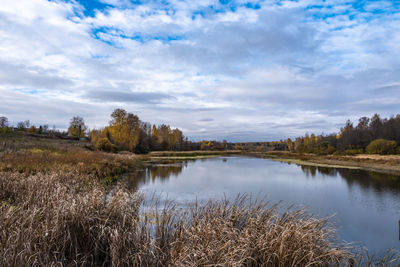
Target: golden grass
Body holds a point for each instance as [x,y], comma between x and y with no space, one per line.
[103,166]
[68,219]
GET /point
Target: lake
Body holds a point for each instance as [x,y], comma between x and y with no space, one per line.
[365,205]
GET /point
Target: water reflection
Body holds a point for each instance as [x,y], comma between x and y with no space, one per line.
[366,180]
[366,204]
[161,172]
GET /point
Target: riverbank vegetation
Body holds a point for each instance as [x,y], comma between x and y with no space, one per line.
[371,135]
[389,164]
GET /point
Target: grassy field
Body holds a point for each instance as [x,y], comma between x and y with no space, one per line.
[57,208]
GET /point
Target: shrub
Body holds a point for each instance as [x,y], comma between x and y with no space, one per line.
[32,129]
[324,148]
[382,147]
[105,145]
[6,130]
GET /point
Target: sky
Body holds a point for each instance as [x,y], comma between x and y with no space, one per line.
[244,70]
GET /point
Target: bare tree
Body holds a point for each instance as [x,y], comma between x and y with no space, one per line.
[3,122]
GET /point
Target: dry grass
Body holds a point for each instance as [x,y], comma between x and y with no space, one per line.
[102,166]
[68,219]
[17,140]
[242,233]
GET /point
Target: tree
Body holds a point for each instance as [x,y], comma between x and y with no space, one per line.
[347,136]
[163,136]
[119,117]
[155,144]
[27,124]
[21,125]
[77,127]
[127,132]
[290,144]
[3,122]
[376,126]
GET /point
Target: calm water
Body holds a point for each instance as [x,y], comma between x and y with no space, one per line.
[366,205]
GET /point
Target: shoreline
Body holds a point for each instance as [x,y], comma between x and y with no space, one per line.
[389,164]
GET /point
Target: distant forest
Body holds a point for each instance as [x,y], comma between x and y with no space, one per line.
[371,135]
[126,132]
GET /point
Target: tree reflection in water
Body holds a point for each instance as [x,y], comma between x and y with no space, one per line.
[155,172]
[366,180]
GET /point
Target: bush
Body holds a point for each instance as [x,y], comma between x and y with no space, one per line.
[6,130]
[32,129]
[324,148]
[382,147]
[105,145]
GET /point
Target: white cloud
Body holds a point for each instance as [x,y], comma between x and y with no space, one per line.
[266,73]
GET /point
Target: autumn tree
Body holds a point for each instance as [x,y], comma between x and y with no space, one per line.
[155,144]
[77,127]
[127,132]
[290,144]
[163,136]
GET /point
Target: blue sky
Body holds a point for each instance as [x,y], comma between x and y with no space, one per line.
[236,70]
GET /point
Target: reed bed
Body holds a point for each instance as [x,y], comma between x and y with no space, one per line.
[68,219]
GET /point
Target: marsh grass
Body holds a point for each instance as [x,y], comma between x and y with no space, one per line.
[103,166]
[19,140]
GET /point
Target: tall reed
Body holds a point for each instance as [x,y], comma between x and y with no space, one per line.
[67,218]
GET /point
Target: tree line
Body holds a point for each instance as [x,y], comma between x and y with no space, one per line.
[126,132]
[26,126]
[369,135]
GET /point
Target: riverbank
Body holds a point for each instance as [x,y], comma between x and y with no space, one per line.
[377,163]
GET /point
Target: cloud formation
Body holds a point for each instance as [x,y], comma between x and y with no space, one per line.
[236,70]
